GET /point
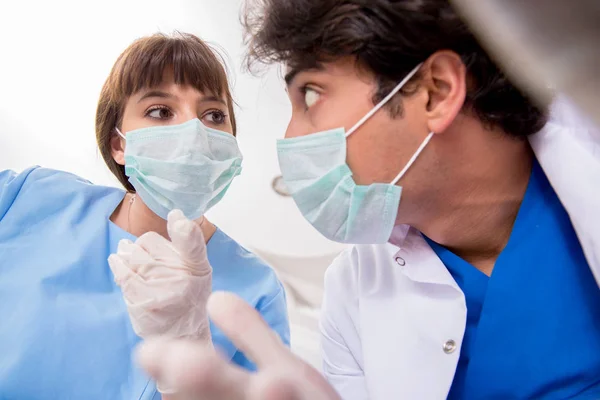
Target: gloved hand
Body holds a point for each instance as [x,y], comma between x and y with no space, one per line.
[197,372]
[165,284]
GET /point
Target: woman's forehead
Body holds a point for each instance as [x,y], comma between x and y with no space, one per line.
[169,87]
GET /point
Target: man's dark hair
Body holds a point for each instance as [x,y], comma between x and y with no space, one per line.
[388,38]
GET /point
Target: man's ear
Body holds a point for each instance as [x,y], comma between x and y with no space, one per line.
[446,82]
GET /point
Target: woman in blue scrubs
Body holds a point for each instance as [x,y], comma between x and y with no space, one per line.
[66,332]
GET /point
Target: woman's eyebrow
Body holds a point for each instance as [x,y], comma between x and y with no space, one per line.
[206,99]
[157,93]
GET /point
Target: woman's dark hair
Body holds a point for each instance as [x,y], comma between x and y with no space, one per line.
[388,38]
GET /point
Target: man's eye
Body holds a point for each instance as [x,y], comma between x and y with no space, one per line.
[311,96]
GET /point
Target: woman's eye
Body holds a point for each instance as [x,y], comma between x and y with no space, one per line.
[159,113]
[311,96]
[216,117]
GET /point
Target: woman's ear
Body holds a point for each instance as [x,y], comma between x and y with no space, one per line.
[447,88]
[117,148]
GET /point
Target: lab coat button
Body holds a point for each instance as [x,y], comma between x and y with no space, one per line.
[449,346]
[400,261]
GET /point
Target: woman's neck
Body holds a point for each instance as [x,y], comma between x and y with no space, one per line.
[133,216]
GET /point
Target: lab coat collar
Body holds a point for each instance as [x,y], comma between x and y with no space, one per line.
[416,259]
[399,235]
[568,149]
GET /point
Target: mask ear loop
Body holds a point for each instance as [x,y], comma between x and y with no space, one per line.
[413,158]
[120,134]
[385,100]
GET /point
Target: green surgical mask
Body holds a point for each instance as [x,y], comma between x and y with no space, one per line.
[187,167]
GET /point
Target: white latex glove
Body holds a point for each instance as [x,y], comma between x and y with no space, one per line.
[197,372]
[166,284]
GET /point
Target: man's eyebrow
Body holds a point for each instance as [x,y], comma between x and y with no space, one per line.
[293,72]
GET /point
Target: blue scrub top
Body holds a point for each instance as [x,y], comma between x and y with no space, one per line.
[65,332]
[533,327]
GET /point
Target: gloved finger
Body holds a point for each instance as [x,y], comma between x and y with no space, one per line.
[125,248]
[187,238]
[133,255]
[274,387]
[120,270]
[244,326]
[138,258]
[157,247]
[193,369]
[302,383]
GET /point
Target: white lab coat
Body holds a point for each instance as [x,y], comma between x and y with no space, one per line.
[393,318]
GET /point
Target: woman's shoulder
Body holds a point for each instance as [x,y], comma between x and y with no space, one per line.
[32,184]
[44,186]
[237,269]
[37,175]
[226,253]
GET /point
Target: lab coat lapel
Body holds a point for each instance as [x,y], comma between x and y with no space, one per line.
[568,149]
[406,325]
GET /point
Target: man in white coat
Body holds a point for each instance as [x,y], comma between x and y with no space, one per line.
[475,214]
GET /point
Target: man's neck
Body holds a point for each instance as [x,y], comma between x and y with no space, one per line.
[473,213]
